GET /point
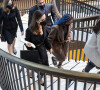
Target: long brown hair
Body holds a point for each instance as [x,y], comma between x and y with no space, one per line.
[96,28]
[5,3]
[34,25]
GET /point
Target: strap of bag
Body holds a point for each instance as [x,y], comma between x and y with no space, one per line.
[23,47]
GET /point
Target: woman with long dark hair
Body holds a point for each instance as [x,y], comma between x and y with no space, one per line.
[10,20]
[37,35]
[92,49]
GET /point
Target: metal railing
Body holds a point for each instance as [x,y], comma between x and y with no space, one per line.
[79,8]
[81,30]
[14,75]
[94,3]
[14,72]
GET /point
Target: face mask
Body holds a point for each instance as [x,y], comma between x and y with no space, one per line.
[43,23]
[42,6]
[10,6]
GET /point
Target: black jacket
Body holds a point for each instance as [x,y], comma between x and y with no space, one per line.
[11,21]
[49,12]
[41,43]
[0,19]
[0,12]
[37,40]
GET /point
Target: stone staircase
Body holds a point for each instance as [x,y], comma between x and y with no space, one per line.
[68,65]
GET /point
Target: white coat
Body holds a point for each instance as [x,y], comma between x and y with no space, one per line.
[92,49]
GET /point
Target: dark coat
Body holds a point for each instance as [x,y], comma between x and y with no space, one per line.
[11,21]
[58,43]
[41,43]
[49,12]
[0,18]
[0,13]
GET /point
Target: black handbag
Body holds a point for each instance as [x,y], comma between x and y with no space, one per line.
[30,55]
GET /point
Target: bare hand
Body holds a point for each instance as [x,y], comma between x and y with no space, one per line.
[28,45]
[51,51]
[22,33]
[69,39]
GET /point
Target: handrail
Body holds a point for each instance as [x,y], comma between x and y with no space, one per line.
[50,70]
[81,2]
[67,6]
[76,19]
[14,71]
[82,28]
[9,61]
[87,18]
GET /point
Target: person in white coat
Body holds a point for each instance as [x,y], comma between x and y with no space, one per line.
[92,49]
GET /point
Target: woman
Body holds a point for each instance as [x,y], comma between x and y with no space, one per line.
[10,19]
[92,49]
[37,35]
[59,38]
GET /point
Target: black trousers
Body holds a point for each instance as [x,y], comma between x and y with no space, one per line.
[89,66]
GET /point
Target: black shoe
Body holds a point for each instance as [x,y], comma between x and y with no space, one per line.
[54,61]
[15,51]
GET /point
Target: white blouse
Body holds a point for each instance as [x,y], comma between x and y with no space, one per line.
[92,49]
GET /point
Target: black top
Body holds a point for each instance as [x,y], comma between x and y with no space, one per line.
[38,40]
[11,21]
[41,42]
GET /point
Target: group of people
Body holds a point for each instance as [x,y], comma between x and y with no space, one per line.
[46,33]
